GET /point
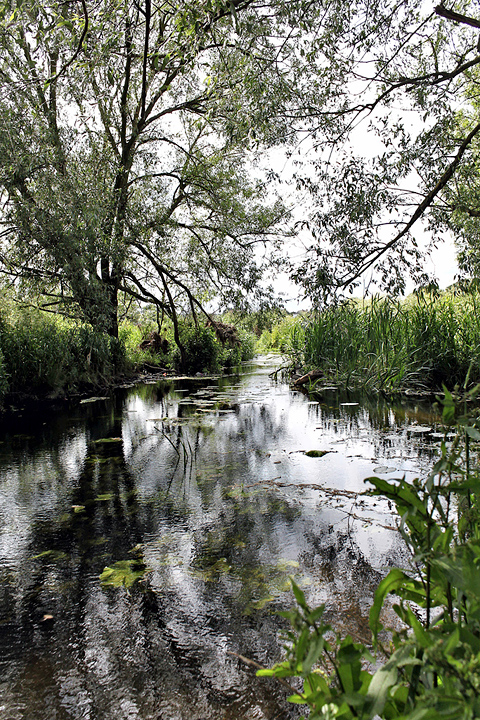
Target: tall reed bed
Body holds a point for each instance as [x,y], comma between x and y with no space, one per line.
[44,353]
[384,344]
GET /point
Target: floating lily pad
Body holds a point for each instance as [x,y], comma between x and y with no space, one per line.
[92,400]
[124,573]
[316,453]
[105,496]
[384,469]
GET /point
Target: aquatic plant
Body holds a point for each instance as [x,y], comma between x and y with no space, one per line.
[390,345]
[430,667]
[124,573]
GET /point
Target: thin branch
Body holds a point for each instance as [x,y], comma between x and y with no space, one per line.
[427,202]
[77,51]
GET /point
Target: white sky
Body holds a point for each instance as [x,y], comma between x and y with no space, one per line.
[441,263]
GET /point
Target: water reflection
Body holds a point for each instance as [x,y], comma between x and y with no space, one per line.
[207,485]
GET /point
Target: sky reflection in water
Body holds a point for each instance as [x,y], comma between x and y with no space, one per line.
[206,483]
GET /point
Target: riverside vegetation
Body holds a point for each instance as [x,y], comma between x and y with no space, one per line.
[430,667]
[386,344]
[46,354]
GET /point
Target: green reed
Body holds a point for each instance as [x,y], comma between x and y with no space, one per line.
[386,344]
[42,353]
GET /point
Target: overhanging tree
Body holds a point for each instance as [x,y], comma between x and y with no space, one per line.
[390,148]
[124,140]
[126,128]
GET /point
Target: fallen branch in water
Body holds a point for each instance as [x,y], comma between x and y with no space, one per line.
[257,666]
[308,378]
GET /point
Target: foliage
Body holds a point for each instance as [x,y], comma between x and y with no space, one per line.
[47,353]
[390,147]
[247,345]
[281,336]
[202,349]
[123,573]
[388,345]
[131,335]
[4,382]
[431,666]
[205,353]
[257,321]
[148,195]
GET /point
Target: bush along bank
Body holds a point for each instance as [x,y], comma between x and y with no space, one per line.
[430,668]
[205,348]
[46,355]
[420,344]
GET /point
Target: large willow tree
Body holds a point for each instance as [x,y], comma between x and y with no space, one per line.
[125,130]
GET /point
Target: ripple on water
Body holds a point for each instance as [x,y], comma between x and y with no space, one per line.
[209,487]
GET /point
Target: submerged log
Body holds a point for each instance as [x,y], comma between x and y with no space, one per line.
[308,378]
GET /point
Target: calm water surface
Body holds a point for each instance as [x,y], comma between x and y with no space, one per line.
[206,484]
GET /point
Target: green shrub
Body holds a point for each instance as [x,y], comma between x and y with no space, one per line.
[235,354]
[430,667]
[47,353]
[203,352]
[131,335]
[280,337]
[248,345]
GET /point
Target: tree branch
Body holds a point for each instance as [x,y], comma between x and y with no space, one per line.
[428,200]
[457,17]
[77,51]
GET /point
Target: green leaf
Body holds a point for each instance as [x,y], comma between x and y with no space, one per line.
[298,699]
[472,432]
[299,595]
[123,573]
[395,579]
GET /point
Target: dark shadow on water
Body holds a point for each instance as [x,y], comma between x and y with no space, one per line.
[205,486]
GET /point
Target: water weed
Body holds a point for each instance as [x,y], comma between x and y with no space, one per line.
[391,345]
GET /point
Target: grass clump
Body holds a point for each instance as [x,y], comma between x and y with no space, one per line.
[42,354]
[384,344]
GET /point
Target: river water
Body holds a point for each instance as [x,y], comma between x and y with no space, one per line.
[202,487]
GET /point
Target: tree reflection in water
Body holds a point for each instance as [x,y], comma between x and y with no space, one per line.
[208,487]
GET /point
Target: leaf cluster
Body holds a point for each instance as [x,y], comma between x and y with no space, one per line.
[430,667]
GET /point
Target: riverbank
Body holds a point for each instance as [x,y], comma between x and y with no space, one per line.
[414,346]
[47,357]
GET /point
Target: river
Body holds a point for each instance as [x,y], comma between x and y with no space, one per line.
[202,487]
